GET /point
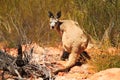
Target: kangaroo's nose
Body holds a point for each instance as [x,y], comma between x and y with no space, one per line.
[52,27]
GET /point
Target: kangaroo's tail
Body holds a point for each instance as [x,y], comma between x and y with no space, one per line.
[85,55]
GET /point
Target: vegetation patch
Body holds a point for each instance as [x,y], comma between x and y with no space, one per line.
[105,61]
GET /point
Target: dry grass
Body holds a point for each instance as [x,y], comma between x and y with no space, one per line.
[104,59]
[27,20]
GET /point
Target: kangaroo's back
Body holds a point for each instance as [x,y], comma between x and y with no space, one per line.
[72,34]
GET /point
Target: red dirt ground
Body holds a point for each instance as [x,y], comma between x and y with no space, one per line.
[51,55]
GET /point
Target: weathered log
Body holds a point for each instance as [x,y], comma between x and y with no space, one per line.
[21,66]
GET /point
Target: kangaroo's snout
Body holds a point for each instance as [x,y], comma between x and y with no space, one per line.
[52,27]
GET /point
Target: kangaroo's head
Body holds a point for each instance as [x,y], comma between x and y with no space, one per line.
[54,20]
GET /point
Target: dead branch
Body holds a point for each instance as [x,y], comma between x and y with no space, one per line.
[106,36]
[21,67]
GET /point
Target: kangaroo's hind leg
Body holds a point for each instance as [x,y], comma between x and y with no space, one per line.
[73,57]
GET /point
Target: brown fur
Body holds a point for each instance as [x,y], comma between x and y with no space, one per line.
[74,41]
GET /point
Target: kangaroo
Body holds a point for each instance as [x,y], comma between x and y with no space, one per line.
[74,40]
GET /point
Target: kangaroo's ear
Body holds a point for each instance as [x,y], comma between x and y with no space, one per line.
[50,14]
[58,15]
